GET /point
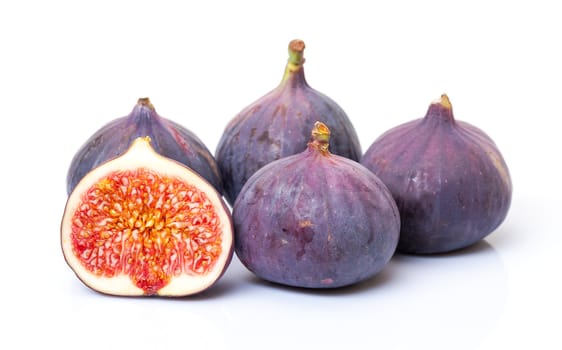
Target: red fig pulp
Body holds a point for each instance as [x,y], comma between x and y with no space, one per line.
[315,219]
[450,181]
[168,138]
[143,224]
[277,124]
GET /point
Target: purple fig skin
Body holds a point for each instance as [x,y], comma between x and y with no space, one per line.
[315,220]
[277,124]
[450,181]
[168,138]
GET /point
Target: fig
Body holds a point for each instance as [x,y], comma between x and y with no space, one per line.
[315,219]
[168,138]
[450,181]
[277,125]
[142,224]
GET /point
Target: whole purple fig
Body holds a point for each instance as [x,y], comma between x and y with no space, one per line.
[450,182]
[315,219]
[168,139]
[276,125]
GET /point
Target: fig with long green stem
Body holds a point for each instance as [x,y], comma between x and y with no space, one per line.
[276,125]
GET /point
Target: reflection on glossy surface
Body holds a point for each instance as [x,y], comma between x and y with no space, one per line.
[440,301]
[449,301]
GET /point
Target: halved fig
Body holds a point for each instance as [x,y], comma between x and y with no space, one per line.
[144,224]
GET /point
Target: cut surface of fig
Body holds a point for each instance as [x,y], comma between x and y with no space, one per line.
[450,181]
[168,138]
[278,125]
[315,219]
[142,224]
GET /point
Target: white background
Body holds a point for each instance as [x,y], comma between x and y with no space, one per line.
[68,67]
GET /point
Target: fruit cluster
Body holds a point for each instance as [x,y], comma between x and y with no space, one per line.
[151,211]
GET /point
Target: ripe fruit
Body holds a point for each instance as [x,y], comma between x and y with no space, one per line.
[450,182]
[277,124]
[168,138]
[143,224]
[315,219]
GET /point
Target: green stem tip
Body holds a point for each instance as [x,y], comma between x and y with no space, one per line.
[296,50]
[296,59]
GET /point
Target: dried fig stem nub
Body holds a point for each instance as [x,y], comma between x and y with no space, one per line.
[145,101]
[320,137]
[441,110]
[445,102]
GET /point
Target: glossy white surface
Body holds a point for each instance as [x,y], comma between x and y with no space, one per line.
[67,68]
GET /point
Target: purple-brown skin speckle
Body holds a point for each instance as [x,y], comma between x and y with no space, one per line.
[315,220]
[167,137]
[277,125]
[449,180]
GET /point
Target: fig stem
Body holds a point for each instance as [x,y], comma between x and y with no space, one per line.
[441,109]
[296,58]
[145,101]
[444,101]
[320,137]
